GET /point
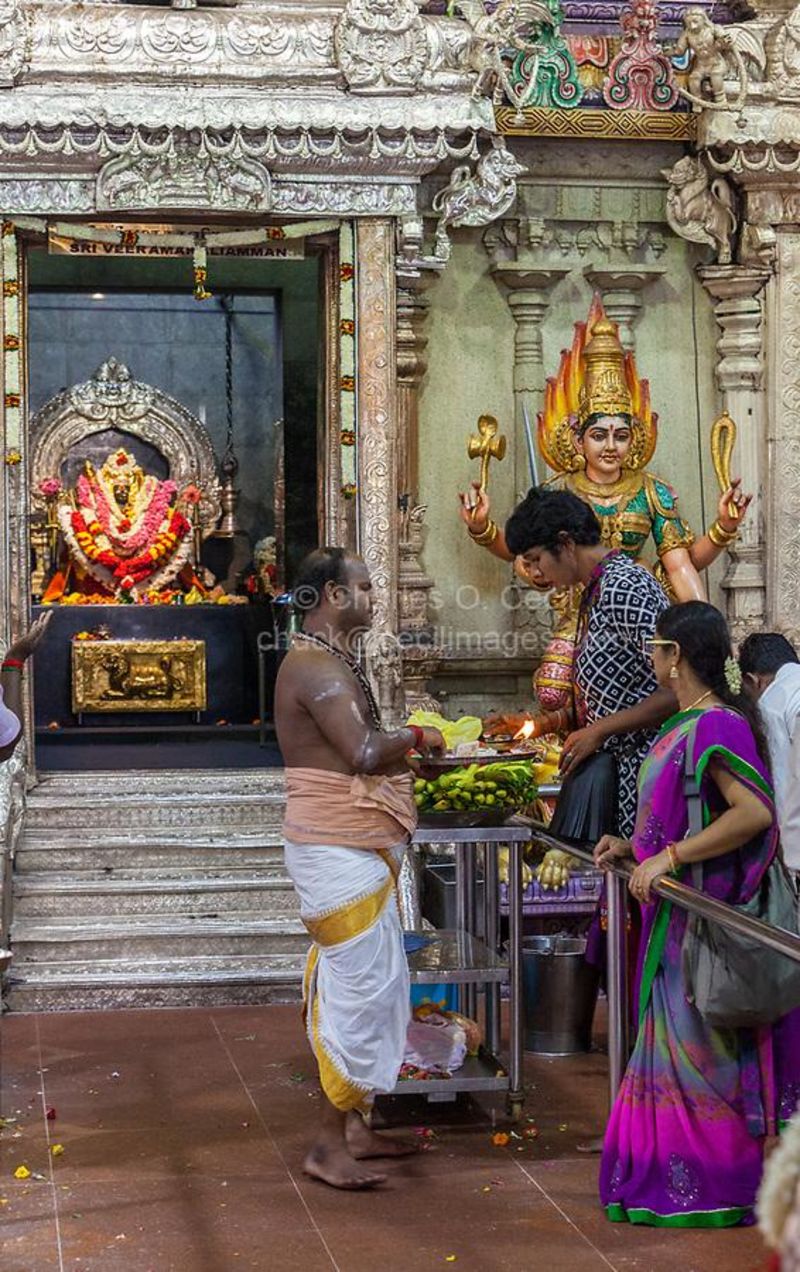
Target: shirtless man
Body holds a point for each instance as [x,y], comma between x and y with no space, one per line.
[349,815]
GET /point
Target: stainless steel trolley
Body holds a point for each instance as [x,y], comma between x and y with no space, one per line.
[459,957]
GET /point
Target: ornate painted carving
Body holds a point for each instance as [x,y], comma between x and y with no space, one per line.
[220,44]
[640,75]
[714,52]
[314,150]
[46,194]
[414,585]
[477,199]
[529,241]
[517,52]
[304,196]
[343,198]
[133,64]
[700,209]
[15,41]
[758,246]
[783,58]
[186,177]
[545,72]
[377,451]
[595,125]
[381,46]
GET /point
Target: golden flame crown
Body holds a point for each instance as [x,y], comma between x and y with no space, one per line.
[595,376]
[605,389]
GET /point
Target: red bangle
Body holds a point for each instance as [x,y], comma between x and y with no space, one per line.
[419,736]
[12,662]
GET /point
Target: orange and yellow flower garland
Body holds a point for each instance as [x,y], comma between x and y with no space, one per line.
[138,568]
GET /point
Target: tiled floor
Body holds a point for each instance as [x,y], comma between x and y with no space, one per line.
[183,1134]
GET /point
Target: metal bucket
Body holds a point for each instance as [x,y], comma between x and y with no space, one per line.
[560,990]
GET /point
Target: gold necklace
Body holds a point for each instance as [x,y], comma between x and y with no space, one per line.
[626,486]
[708,694]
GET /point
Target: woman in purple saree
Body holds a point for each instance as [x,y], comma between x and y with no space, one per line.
[684,1143]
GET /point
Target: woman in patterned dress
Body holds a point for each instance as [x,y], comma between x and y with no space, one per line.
[618,703]
[598,432]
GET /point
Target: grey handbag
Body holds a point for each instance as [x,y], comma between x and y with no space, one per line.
[734,981]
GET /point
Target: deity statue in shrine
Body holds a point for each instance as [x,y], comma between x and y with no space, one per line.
[598,432]
[128,535]
[260,582]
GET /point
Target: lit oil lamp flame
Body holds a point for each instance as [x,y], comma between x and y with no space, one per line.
[524,732]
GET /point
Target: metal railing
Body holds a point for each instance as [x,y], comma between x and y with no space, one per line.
[787,943]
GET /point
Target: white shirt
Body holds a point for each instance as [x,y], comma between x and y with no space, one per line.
[9,724]
[780,710]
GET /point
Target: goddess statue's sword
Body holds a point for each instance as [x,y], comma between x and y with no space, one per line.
[531,446]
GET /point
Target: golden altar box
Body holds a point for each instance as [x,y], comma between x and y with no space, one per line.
[138,675]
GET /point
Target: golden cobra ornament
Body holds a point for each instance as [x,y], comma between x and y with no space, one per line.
[723,440]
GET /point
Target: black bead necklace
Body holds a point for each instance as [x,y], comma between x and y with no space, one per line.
[357,671]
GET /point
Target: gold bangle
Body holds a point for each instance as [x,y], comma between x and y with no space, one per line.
[673,858]
[720,536]
[485,538]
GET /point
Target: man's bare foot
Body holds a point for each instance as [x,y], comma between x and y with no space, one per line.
[333,1164]
[363,1142]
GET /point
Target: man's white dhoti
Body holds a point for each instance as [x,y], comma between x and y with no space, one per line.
[356,986]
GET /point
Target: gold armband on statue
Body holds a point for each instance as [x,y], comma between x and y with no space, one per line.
[721,537]
[485,538]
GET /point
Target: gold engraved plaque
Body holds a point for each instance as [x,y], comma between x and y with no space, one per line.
[138,675]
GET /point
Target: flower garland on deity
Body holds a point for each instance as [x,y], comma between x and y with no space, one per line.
[123,527]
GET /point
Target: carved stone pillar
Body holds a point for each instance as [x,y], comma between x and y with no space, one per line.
[782,500]
[621,290]
[412,341]
[738,310]
[527,291]
[377,427]
[415,273]
[412,363]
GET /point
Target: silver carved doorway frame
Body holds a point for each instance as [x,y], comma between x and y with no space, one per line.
[368,523]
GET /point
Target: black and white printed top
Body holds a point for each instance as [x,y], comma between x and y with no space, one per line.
[613,667]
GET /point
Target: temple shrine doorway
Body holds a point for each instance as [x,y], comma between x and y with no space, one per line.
[175,483]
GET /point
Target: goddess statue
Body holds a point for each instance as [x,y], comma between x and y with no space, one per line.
[127,533]
[598,432]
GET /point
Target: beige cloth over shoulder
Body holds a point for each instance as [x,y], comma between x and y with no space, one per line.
[356,811]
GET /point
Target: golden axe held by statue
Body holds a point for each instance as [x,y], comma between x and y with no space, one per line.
[487,444]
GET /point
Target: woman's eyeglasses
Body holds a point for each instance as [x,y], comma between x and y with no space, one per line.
[650,643]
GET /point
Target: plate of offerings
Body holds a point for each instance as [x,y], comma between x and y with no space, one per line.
[481,759]
[476,782]
[480,792]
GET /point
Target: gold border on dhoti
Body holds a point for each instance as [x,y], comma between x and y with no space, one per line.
[350,919]
[342,1092]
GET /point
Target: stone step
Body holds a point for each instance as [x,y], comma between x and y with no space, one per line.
[68,785]
[202,981]
[147,814]
[91,836]
[42,895]
[128,937]
[37,853]
[154,889]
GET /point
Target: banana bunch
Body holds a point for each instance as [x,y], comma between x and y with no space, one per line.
[502,786]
